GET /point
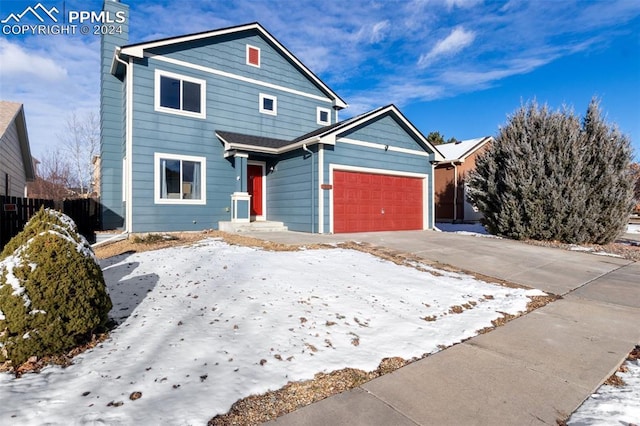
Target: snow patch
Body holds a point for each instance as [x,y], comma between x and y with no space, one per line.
[249,321]
[613,405]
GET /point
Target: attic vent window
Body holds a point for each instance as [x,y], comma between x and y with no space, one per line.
[253,56]
[268,104]
[323,116]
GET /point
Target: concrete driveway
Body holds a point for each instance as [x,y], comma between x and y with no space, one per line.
[534,370]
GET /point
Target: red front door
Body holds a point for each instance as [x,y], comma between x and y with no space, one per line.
[254,183]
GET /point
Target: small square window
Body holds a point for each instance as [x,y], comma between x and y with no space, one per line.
[253,56]
[323,116]
[268,104]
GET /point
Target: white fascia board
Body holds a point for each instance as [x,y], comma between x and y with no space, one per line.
[476,147]
[138,52]
[230,146]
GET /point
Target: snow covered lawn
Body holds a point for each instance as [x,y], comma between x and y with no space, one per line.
[205,325]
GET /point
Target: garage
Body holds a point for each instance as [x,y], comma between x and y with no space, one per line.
[364,202]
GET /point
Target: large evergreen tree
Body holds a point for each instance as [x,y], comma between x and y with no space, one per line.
[551,176]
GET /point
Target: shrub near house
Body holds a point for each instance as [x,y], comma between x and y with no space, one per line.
[52,292]
[551,176]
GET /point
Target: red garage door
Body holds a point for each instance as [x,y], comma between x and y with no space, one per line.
[372,202]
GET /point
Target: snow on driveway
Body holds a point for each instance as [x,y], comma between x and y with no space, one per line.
[203,326]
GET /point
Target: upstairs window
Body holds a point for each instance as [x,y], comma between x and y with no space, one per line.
[323,116]
[253,56]
[178,94]
[268,104]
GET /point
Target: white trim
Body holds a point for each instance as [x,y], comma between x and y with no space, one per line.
[203,94]
[128,207]
[319,111]
[320,190]
[139,52]
[345,168]
[236,77]
[156,179]
[353,123]
[384,147]
[248,49]
[432,224]
[262,164]
[274,99]
[124,179]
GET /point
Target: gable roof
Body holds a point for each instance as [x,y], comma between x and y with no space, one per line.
[137,50]
[326,135]
[461,150]
[13,112]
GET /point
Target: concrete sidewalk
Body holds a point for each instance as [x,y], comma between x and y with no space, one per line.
[533,370]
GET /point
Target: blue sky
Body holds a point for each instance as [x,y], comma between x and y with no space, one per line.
[459,67]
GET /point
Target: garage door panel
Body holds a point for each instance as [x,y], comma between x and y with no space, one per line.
[376,202]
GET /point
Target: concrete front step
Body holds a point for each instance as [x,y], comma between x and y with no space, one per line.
[258,226]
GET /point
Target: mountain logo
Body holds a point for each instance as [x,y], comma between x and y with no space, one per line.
[43,11]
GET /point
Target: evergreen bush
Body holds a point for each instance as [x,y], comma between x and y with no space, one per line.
[551,176]
[52,292]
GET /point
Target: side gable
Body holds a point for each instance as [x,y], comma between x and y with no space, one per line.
[459,151]
[194,48]
[14,137]
[384,126]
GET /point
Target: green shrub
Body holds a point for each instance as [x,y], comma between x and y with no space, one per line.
[549,176]
[45,220]
[52,292]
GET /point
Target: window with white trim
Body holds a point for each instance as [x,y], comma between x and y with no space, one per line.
[253,56]
[179,94]
[179,179]
[323,116]
[268,104]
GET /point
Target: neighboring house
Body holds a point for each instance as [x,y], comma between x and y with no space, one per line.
[227,127]
[450,174]
[16,165]
[95,177]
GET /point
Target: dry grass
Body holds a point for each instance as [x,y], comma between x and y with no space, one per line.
[614,379]
[147,242]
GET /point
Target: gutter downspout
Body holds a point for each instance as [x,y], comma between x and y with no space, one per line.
[128,143]
[455,193]
[313,170]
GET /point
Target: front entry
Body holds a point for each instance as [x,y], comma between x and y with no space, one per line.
[255,187]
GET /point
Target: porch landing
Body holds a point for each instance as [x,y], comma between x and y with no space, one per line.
[257,226]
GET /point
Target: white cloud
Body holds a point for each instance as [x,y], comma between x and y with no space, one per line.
[462,4]
[18,61]
[378,32]
[457,40]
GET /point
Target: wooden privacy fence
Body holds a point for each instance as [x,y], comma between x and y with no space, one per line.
[15,213]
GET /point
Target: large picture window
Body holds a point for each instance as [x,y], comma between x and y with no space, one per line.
[179,94]
[179,179]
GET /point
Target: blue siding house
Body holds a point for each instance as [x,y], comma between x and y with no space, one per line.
[227,127]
